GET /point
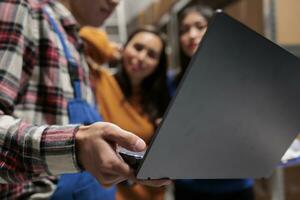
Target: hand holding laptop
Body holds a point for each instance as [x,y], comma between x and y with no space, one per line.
[96,151]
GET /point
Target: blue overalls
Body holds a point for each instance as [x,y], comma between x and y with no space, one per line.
[79,186]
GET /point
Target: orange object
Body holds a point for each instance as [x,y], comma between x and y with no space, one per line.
[139,192]
[99,48]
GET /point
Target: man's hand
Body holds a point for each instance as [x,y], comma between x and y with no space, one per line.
[96,151]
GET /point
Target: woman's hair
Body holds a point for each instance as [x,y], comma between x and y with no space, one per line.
[207,13]
[154,91]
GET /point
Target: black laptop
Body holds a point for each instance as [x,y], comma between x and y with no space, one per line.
[235,113]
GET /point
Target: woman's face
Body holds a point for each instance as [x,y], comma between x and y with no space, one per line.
[192,29]
[141,56]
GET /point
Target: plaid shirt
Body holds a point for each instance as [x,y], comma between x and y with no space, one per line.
[34,92]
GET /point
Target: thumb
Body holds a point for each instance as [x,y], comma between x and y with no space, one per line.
[124,138]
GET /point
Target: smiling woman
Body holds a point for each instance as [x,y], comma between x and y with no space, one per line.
[139,85]
[141,57]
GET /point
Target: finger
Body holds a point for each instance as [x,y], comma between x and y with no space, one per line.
[123,138]
[107,179]
[111,162]
[154,183]
[114,182]
[122,168]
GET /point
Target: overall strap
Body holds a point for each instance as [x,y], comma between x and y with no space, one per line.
[72,65]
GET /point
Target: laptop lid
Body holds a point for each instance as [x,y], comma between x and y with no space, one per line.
[235,113]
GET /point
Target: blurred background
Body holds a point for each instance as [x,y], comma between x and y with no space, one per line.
[278,20]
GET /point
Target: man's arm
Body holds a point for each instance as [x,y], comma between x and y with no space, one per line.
[26,151]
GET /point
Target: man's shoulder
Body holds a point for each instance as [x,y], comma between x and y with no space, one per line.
[32,5]
[17,7]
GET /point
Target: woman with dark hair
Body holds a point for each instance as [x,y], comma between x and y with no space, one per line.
[142,76]
[136,96]
[193,24]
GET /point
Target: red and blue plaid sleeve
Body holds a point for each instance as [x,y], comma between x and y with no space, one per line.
[26,152]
